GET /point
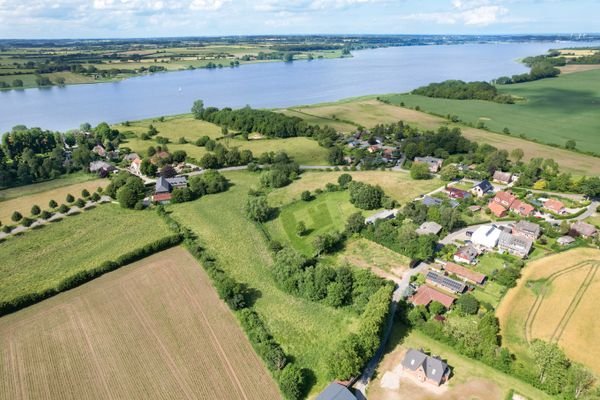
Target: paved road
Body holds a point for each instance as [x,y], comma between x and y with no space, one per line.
[361,384]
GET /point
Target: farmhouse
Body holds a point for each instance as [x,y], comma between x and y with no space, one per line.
[444,282]
[426,368]
[482,188]
[486,236]
[502,177]
[527,229]
[522,208]
[385,214]
[565,240]
[464,273]
[466,254]
[434,164]
[555,206]
[517,245]
[583,229]
[455,193]
[497,209]
[429,228]
[336,391]
[425,295]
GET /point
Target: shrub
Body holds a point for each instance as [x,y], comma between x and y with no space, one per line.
[70,198]
[63,209]
[27,222]
[262,341]
[95,196]
[80,203]
[468,304]
[300,228]
[344,180]
[258,209]
[85,193]
[46,214]
[291,382]
[6,229]
[35,210]
[52,204]
[306,196]
[16,216]
[365,196]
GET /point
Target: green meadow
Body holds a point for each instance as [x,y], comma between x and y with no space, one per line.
[550,111]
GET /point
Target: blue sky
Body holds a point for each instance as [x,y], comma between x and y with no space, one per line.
[143,18]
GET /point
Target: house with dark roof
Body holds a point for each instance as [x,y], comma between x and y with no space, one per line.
[456,193]
[444,282]
[433,163]
[517,245]
[527,229]
[426,368]
[466,254]
[177,182]
[336,391]
[426,294]
[482,188]
[162,185]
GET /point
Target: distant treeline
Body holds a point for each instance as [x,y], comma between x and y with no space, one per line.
[460,90]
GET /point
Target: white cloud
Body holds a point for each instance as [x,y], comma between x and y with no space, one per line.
[298,6]
[208,5]
[467,12]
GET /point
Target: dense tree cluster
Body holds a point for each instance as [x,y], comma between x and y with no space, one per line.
[210,182]
[352,353]
[281,171]
[401,237]
[443,143]
[539,70]
[460,90]
[365,196]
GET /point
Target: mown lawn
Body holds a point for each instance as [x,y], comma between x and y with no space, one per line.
[41,258]
[552,110]
[325,213]
[306,330]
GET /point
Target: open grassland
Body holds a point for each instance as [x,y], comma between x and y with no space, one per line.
[306,330]
[304,150]
[311,119]
[551,110]
[41,258]
[470,379]
[398,185]
[554,301]
[361,111]
[326,213]
[153,329]
[23,198]
[363,253]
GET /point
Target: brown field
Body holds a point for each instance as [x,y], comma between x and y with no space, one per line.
[557,307]
[24,203]
[154,329]
[397,185]
[572,68]
[369,112]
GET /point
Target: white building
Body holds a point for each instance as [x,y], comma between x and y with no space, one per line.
[486,236]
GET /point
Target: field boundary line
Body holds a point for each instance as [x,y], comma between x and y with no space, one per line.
[560,328]
[540,297]
[167,357]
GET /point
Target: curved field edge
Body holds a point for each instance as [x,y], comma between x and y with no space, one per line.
[542,304]
[43,259]
[115,337]
[306,330]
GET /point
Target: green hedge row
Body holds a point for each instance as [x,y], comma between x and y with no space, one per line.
[82,277]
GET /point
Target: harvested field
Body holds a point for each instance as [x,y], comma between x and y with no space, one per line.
[153,329]
[23,198]
[553,301]
[41,258]
[572,68]
[382,261]
[398,185]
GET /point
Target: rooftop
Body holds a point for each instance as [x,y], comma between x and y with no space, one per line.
[446,282]
[463,272]
[426,294]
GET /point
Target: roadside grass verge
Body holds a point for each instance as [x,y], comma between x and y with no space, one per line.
[43,260]
[306,330]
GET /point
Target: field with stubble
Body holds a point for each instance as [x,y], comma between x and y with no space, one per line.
[554,301]
[153,329]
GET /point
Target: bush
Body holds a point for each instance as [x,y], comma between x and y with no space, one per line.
[258,209]
[262,341]
[468,304]
[52,204]
[63,209]
[27,222]
[344,180]
[35,210]
[46,214]
[419,171]
[16,216]
[80,203]
[365,196]
[6,229]
[291,382]
[300,228]
[306,196]
[95,196]
[70,198]
[85,193]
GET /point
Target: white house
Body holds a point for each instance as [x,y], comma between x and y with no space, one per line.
[486,236]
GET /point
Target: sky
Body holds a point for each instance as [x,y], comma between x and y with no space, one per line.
[158,18]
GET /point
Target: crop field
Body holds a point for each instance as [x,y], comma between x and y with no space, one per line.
[23,198]
[470,379]
[398,185]
[152,329]
[326,213]
[304,150]
[361,112]
[303,328]
[552,110]
[39,259]
[553,301]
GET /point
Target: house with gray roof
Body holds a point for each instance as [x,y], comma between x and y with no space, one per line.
[385,214]
[99,166]
[583,229]
[482,188]
[519,246]
[527,229]
[177,182]
[336,391]
[428,228]
[162,186]
[433,163]
[442,281]
[426,368]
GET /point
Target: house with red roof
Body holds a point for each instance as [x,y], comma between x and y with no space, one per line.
[497,209]
[505,199]
[522,208]
[426,294]
[464,273]
[556,206]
